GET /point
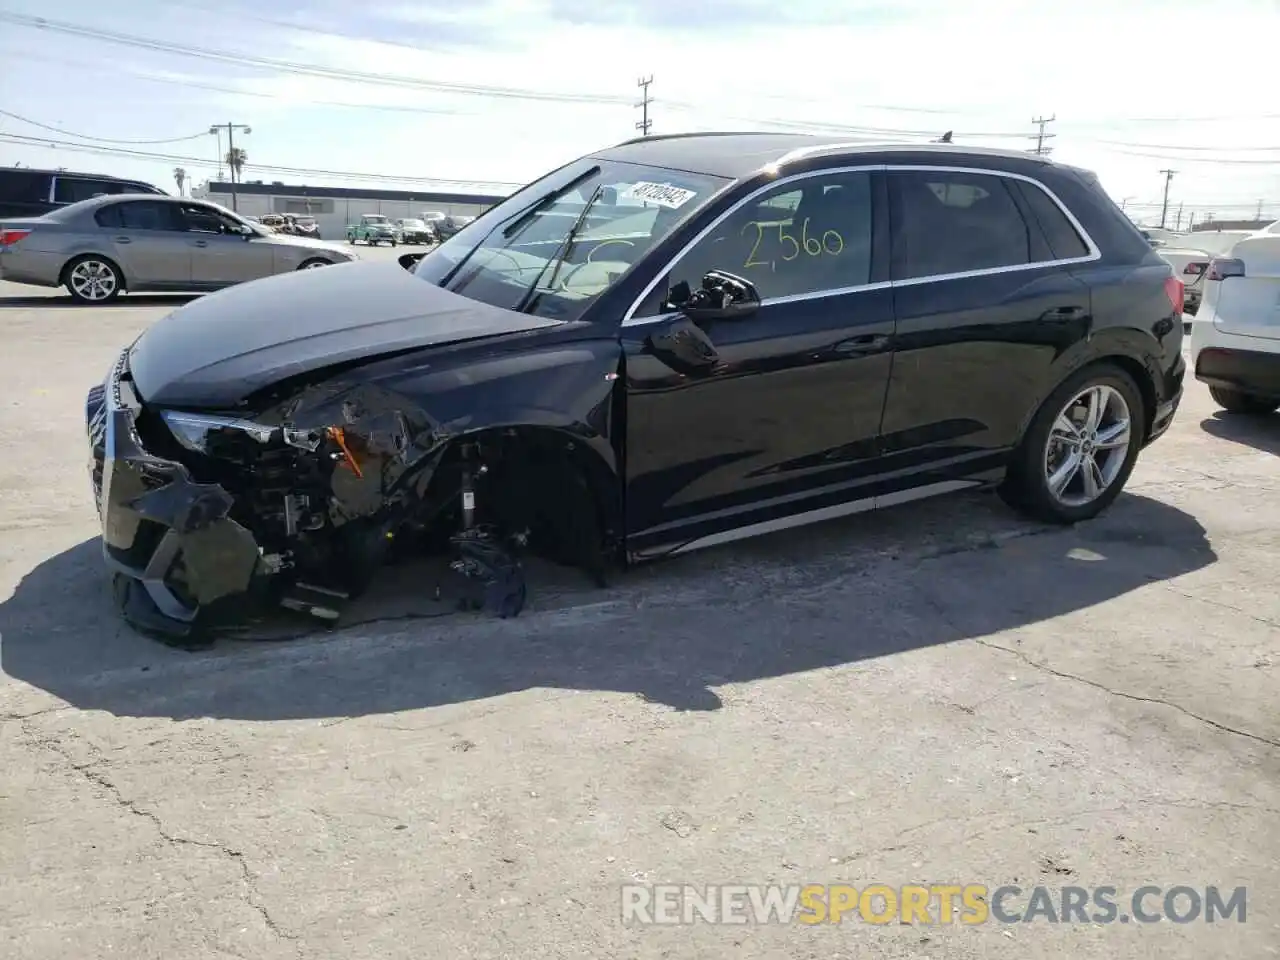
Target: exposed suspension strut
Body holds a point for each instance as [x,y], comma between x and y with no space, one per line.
[484,562]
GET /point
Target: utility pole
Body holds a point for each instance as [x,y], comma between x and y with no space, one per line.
[1125,202]
[1259,211]
[217,129]
[645,123]
[1040,137]
[1164,210]
[1177,224]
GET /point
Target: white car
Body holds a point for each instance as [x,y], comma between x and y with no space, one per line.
[1235,338]
[1189,264]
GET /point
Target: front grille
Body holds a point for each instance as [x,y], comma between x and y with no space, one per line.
[96,423]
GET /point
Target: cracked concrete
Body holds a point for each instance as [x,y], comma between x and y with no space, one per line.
[939,694]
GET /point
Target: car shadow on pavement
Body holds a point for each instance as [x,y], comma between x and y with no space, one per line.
[128,300]
[1259,431]
[671,632]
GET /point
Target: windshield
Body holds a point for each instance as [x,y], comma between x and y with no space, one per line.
[555,246]
[373,219]
[412,223]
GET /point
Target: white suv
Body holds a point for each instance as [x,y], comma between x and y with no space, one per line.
[1235,338]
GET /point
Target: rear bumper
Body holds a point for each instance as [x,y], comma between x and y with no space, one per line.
[1249,371]
[1166,409]
[168,535]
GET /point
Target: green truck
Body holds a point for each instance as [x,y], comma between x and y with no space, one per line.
[373,229]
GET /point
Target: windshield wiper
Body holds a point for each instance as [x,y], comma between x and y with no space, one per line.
[517,221]
[560,254]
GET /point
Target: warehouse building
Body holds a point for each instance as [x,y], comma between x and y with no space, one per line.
[335,207]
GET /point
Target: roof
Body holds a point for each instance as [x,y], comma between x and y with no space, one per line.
[736,155]
[349,193]
[76,173]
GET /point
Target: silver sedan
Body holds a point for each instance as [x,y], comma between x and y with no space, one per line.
[147,244]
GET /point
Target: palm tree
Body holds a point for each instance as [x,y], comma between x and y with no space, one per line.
[180,178]
[236,159]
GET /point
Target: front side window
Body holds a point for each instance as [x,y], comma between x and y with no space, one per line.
[200,219]
[955,222]
[806,236]
[554,247]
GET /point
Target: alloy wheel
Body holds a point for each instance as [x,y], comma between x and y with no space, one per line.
[1088,445]
[93,280]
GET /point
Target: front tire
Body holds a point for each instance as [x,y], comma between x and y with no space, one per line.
[1079,449]
[92,279]
[1236,401]
[313,264]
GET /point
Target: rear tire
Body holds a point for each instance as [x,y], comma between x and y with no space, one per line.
[313,263]
[92,279]
[1096,421]
[1236,401]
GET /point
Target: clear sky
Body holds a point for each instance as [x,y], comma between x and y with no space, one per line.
[498,91]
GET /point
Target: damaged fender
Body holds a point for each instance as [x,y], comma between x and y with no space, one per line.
[305,483]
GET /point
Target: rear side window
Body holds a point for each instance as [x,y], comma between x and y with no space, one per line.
[1064,240]
[954,222]
[20,186]
[140,215]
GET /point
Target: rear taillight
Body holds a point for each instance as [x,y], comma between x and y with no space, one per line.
[1173,290]
[1222,267]
[1196,268]
[9,237]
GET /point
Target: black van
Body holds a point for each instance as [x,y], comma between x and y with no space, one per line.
[31,193]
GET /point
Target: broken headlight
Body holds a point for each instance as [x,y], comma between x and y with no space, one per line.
[195,430]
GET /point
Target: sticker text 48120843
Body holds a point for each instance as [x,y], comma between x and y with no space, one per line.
[790,246]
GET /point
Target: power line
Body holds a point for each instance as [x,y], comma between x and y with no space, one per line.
[1167,146]
[72,147]
[1221,160]
[7,55]
[288,66]
[85,136]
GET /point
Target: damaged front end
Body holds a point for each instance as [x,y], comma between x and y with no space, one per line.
[208,518]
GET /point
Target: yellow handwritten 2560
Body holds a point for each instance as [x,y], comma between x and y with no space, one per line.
[831,243]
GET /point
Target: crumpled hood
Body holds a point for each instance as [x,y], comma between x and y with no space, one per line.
[218,349]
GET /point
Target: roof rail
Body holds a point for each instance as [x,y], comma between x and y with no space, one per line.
[944,148]
[708,133]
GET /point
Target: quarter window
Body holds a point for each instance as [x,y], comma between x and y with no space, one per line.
[1064,240]
[806,236]
[949,222]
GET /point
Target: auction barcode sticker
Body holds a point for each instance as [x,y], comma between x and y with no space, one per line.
[663,194]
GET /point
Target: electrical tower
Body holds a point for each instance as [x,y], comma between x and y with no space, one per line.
[644,123]
[1164,209]
[1041,136]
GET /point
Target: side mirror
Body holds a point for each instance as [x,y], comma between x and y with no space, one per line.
[410,260]
[722,296]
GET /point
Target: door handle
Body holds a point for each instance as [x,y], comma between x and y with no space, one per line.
[872,343]
[200,243]
[123,240]
[1061,314]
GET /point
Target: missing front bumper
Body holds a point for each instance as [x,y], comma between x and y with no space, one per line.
[171,538]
